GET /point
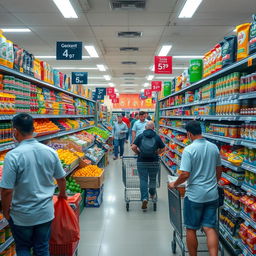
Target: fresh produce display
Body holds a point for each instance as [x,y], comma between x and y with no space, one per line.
[95,153]
[88,171]
[100,132]
[66,156]
[42,126]
[72,186]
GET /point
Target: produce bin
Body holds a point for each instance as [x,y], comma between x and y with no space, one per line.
[90,182]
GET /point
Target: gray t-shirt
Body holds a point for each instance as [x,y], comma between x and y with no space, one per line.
[139,127]
[29,170]
[201,159]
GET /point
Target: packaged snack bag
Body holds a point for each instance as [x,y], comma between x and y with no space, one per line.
[242,40]
[229,50]
[9,54]
[218,57]
[252,36]
[18,57]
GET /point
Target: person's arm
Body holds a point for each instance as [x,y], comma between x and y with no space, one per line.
[62,188]
[161,146]
[218,172]
[181,179]
[126,128]
[135,145]
[6,195]
[133,136]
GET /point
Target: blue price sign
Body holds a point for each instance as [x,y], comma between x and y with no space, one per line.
[69,50]
[100,93]
[79,77]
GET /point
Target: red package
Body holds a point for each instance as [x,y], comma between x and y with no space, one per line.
[243,231]
[65,227]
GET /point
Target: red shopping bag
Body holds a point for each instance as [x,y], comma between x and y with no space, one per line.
[65,226]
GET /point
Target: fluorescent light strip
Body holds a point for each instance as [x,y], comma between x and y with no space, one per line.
[111,84]
[142,90]
[146,85]
[150,77]
[107,77]
[165,50]
[163,78]
[15,30]
[97,85]
[92,51]
[179,67]
[75,68]
[96,78]
[189,8]
[101,67]
[54,57]
[66,8]
[188,57]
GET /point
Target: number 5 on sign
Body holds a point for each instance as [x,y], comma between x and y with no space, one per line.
[163,65]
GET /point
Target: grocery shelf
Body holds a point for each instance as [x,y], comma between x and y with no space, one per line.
[249,167]
[208,117]
[11,145]
[226,239]
[231,179]
[226,234]
[248,143]
[231,210]
[7,243]
[249,189]
[3,223]
[174,151]
[178,117]
[9,71]
[10,117]
[167,167]
[248,219]
[235,67]
[174,160]
[248,95]
[231,166]
[246,251]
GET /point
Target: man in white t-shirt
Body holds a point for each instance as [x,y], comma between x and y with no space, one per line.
[139,126]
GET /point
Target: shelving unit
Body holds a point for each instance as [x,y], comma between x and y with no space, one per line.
[244,249]
[249,189]
[3,223]
[6,244]
[231,179]
[231,210]
[10,117]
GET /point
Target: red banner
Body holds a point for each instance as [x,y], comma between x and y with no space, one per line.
[112,96]
[148,92]
[156,86]
[115,101]
[163,64]
[110,90]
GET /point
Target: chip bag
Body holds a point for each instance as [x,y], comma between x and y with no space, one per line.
[65,226]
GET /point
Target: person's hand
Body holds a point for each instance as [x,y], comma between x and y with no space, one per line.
[63,196]
[171,185]
[7,215]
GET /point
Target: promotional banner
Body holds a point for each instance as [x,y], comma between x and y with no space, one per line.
[110,90]
[148,92]
[112,96]
[79,77]
[115,101]
[163,65]
[69,50]
[131,101]
[100,93]
[156,86]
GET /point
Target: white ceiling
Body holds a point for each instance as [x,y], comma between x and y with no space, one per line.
[99,26]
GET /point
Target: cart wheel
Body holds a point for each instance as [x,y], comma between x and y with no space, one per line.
[155,207]
[127,207]
[173,247]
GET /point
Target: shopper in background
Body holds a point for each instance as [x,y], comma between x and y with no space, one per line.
[139,126]
[131,118]
[28,187]
[120,130]
[201,168]
[136,118]
[127,121]
[148,146]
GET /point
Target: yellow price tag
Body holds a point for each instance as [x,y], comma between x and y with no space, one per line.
[250,62]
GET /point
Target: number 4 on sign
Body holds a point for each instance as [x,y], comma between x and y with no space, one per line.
[65,53]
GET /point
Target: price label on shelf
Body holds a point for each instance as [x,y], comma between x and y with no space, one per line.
[163,65]
[250,62]
[79,77]
[69,50]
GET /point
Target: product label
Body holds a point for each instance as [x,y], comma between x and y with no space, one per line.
[241,37]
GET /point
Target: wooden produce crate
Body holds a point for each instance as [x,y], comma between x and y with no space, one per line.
[90,182]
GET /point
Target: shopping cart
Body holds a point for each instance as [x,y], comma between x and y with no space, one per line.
[175,199]
[131,179]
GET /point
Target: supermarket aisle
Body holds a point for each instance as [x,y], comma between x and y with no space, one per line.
[111,231]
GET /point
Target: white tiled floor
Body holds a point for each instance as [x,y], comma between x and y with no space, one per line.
[111,231]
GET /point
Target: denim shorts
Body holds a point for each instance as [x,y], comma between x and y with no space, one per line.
[197,215]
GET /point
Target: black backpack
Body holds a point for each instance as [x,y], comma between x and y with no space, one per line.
[148,147]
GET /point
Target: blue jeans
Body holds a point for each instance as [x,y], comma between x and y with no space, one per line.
[31,237]
[148,173]
[119,147]
[197,215]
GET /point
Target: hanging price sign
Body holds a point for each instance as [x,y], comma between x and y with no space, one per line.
[69,50]
[116,100]
[148,92]
[110,90]
[156,86]
[79,77]
[163,65]
[112,96]
[100,93]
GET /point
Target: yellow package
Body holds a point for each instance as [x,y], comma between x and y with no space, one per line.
[243,40]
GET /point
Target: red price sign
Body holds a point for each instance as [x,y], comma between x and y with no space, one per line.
[156,86]
[163,65]
[110,90]
[148,92]
[116,100]
[112,96]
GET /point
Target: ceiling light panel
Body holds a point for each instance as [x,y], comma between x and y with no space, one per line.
[165,50]
[66,8]
[54,57]
[150,77]
[92,51]
[101,67]
[189,8]
[15,30]
[107,77]
[76,68]
[188,57]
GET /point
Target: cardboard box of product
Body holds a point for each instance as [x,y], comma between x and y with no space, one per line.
[90,182]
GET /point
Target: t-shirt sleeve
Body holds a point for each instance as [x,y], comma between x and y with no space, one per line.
[186,164]
[137,141]
[160,142]
[9,172]
[134,127]
[218,161]
[58,172]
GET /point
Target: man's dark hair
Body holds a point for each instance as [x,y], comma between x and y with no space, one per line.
[24,123]
[141,113]
[194,127]
[123,114]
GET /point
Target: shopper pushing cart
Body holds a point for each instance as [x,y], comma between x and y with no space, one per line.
[148,146]
[201,168]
